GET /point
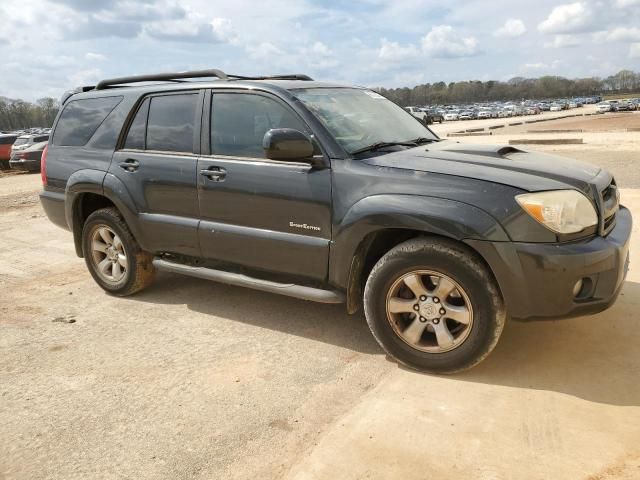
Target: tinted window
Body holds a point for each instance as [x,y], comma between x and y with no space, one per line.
[41,138]
[135,137]
[171,123]
[239,122]
[81,118]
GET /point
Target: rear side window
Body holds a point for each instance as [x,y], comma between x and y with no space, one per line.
[136,135]
[41,138]
[239,122]
[81,118]
[171,123]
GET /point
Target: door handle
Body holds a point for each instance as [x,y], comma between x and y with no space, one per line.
[216,174]
[130,165]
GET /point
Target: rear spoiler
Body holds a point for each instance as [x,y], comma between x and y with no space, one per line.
[70,93]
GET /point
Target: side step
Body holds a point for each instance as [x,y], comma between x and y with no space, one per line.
[290,290]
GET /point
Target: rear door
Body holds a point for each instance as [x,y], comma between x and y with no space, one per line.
[157,165]
[258,213]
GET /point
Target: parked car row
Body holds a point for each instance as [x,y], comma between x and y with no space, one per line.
[22,151]
[437,113]
[626,105]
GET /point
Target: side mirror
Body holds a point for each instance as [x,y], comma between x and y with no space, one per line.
[287,144]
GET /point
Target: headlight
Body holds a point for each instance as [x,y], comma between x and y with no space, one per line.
[563,211]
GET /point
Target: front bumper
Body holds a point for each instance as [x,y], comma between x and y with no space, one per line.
[26,165]
[537,279]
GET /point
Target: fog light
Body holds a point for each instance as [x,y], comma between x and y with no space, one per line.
[577,287]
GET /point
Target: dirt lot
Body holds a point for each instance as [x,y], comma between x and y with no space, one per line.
[193,379]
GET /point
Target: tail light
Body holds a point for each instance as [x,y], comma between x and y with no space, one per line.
[43,165]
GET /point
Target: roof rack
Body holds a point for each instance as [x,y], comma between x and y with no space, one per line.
[292,76]
[160,77]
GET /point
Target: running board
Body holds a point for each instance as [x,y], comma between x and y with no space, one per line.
[288,289]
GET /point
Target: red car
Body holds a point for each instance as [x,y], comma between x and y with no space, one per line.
[6,141]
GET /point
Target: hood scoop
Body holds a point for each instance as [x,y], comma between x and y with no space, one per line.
[494,151]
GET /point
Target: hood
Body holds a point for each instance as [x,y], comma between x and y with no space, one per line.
[505,164]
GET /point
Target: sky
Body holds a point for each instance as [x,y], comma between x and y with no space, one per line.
[49,46]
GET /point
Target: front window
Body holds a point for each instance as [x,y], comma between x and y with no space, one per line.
[358,118]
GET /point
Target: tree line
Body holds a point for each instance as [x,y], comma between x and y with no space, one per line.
[18,114]
[518,88]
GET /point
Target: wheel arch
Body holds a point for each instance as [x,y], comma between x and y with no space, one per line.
[376,224]
[89,192]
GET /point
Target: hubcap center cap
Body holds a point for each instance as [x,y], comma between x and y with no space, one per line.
[429,309]
[112,254]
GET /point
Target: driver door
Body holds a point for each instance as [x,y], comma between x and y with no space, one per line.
[258,213]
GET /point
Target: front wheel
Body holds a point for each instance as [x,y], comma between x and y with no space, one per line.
[433,305]
[114,258]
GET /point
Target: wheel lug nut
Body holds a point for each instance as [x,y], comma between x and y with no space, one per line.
[416,307]
[422,298]
[436,321]
[422,319]
[442,311]
[436,300]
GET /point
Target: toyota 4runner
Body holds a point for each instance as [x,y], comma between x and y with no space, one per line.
[332,194]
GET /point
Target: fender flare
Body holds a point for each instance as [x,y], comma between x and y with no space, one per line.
[431,215]
[100,183]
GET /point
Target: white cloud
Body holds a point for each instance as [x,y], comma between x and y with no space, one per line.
[541,65]
[263,50]
[634,50]
[513,27]
[194,27]
[562,41]
[624,34]
[627,3]
[94,57]
[395,52]
[569,18]
[444,42]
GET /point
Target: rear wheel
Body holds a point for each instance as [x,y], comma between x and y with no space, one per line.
[114,258]
[433,305]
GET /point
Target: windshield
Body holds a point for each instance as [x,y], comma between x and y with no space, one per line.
[358,118]
[21,141]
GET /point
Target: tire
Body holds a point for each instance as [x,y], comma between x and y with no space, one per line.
[4,165]
[134,270]
[475,292]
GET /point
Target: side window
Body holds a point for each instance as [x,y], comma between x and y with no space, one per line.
[135,137]
[81,118]
[171,123]
[239,122]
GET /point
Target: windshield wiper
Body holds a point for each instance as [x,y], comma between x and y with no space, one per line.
[379,145]
[421,140]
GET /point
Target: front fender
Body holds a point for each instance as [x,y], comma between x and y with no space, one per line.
[439,216]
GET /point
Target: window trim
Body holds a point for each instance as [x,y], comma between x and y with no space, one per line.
[205,138]
[197,123]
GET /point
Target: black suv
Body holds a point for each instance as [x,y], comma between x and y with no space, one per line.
[332,194]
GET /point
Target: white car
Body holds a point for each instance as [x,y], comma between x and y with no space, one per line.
[555,108]
[604,107]
[417,112]
[484,114]
[450,116]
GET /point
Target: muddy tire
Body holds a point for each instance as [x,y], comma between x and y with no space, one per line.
[114,258]
[434,306]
